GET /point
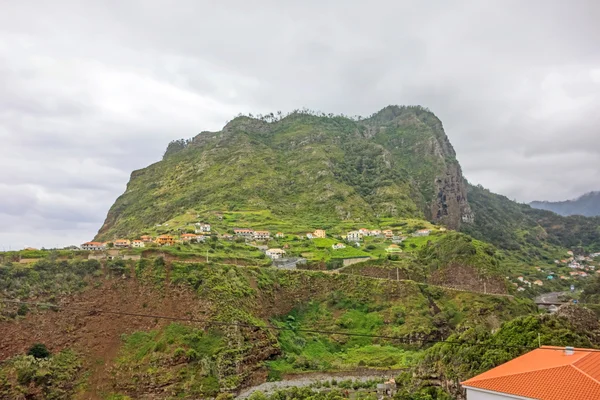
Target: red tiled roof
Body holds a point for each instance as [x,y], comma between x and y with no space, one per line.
[546,373]
[94,243]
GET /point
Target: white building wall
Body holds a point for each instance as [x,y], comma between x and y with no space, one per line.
[473,394]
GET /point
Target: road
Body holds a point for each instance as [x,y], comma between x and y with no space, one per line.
[552,297]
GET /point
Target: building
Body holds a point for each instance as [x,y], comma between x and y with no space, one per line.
[165,240]
[246,233]
[93,246]
[319,233]
[121,243]
[564,277]
[137,244]
[201,238]
[375,232]
[538,283]
[310,235]
[146,239]
[202,228]
[338,246]
[262,235]
[388,233]
[279,235]
[274,254]
[365,232]
[226,236]
[547,373]
[187,237]
[387,389]
[354,236]
[398,239]
[422,232]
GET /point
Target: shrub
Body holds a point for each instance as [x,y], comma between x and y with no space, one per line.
[23,309]
[39,350]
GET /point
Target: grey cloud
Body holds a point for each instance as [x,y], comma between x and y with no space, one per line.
[94,90]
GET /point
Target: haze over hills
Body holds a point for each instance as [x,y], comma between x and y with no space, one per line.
[587,205]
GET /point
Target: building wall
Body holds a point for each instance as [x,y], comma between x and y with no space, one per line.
[481,395]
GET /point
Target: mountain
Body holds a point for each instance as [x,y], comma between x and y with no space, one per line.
[312,170]
[587,205]
[514,226]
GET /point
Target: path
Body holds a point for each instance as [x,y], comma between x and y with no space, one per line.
[309,379]
[549,298]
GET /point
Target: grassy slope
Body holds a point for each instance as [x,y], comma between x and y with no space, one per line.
[184,360]
[305,170]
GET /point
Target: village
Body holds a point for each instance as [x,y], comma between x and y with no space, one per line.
[566,272]
[346,246]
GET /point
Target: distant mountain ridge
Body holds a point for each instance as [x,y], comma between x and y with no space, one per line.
[587,205]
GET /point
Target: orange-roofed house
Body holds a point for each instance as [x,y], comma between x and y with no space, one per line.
[186,237]
[319,233]
[165,240]
[547,373]
[122,243]
[146,238]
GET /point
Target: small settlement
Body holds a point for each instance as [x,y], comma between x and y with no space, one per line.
[256,238]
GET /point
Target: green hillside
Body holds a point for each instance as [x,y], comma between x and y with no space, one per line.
[307,169]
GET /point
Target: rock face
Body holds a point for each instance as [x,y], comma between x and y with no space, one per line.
[450,206]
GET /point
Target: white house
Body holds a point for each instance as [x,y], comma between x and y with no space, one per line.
[247,233]
[93,246]
[137,243]
[546,373]
[338,246]
[202,228]
[262,235]
[274,254]
[354,236]
[279,235]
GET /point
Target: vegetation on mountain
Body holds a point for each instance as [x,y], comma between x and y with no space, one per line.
[518,227]
[476,349]
[308,169]
[587,205]
[55,377]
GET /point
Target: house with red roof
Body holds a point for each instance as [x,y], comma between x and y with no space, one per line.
[547,373]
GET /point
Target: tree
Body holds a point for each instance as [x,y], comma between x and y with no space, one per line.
[39,350]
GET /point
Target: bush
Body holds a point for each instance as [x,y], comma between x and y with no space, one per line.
[23,310]
[39,350]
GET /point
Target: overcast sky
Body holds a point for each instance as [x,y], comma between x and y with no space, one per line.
[90,91]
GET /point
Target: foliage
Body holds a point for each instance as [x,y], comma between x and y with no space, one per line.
[310,170]
[54,378]
[39,350]
[197,352]
[477,350]
[46,278]
[591,291]
[500,221]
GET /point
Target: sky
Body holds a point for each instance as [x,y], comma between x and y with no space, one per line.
[90,91]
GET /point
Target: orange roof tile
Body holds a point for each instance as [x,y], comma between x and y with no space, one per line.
[546,373]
